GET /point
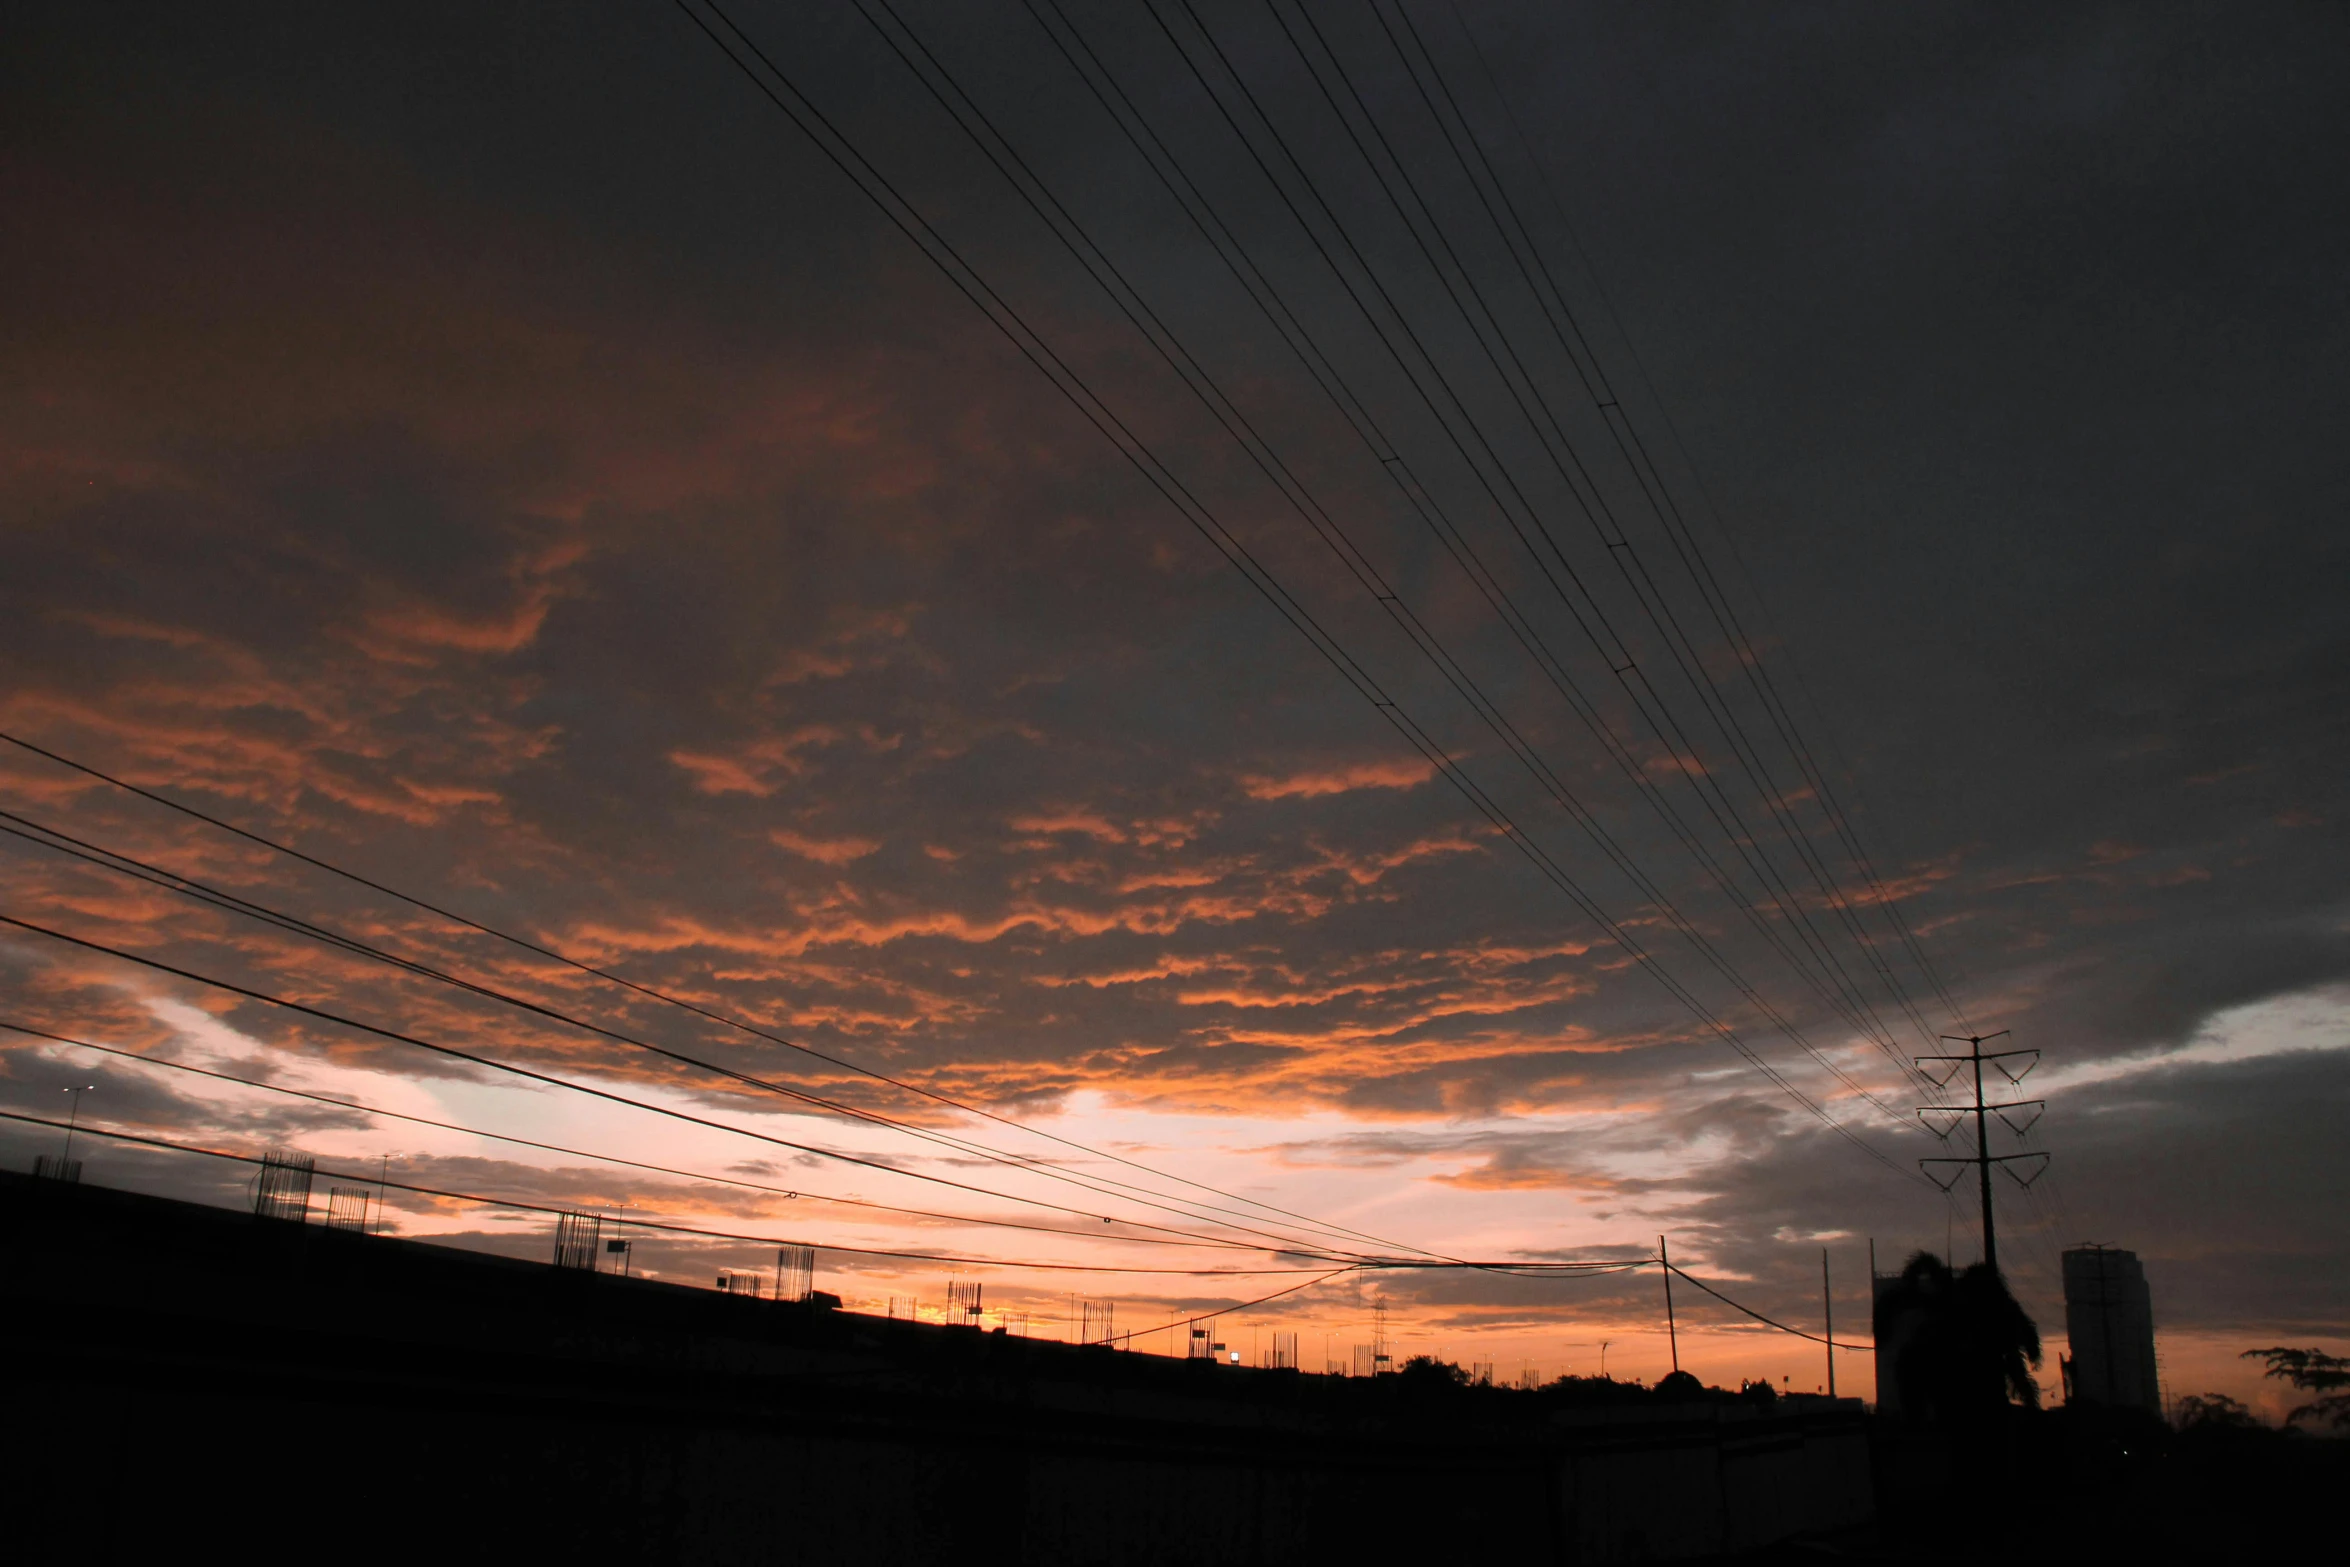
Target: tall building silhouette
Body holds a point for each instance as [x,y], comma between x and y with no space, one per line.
[2109,1319]
[1889,1337]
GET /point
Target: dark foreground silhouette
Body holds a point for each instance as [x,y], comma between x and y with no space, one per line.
[186,1380]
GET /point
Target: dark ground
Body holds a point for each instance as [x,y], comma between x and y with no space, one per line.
[2080,1486]
[246,1380]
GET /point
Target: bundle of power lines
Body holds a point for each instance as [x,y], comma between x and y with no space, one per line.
[1717,760]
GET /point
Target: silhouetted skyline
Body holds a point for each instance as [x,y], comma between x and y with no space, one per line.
[493,451]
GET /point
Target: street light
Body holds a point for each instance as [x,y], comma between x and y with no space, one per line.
[74,1119]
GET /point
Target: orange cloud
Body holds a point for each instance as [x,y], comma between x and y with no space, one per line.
[1494,1176]
[1393,773]
[833,851]
[1084,823]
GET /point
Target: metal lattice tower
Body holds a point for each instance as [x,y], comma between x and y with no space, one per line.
[575,1240]
[346,1208]
[282,1190]
[1096,1320]
[50,1167]
[2008,1113]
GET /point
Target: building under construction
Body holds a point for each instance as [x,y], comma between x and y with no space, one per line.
[2109,1327]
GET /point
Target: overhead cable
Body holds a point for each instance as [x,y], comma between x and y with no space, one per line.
[1167,167]
[1816,776]
[968,116]
[1429,235]
[453,1053]
[85,1129]
[774,84]
[1625,431]
[1225,1311]
[127,865]
[334,1102]
[1766,1321]
[655,994]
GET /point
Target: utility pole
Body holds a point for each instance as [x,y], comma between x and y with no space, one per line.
[1672,1334]
[1828,1315]
[1983,1158]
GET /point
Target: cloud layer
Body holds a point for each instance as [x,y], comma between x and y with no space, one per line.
[541,486]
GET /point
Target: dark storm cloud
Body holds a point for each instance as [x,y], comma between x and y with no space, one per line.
[485,444]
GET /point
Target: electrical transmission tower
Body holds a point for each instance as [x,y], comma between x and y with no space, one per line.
[1983,1158]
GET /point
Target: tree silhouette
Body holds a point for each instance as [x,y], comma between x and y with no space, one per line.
[1965,1345]
[1426,1371]
[1679,1387]
[2215,1411]
[2312,1371]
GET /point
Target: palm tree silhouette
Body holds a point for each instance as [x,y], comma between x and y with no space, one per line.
[1965,1346]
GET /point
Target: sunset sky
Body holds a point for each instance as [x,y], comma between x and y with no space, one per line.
[490,449]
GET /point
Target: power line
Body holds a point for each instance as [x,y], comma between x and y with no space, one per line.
[689,1058]
[1201,212]
[1206,1316]
[1576,1269]
[575,1087]
[1815,775]
[1759,1317]
[648,991]
[606,1158]
[664,997]
[1607,643]
[236,904]
[1591,499]
[779,89]
[1267,298]
[699,1232]
[663,1226]
[1617,657]
[1453,543]
[1651,483]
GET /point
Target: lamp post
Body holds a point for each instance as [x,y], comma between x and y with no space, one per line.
[383,1177]
[73,1118]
